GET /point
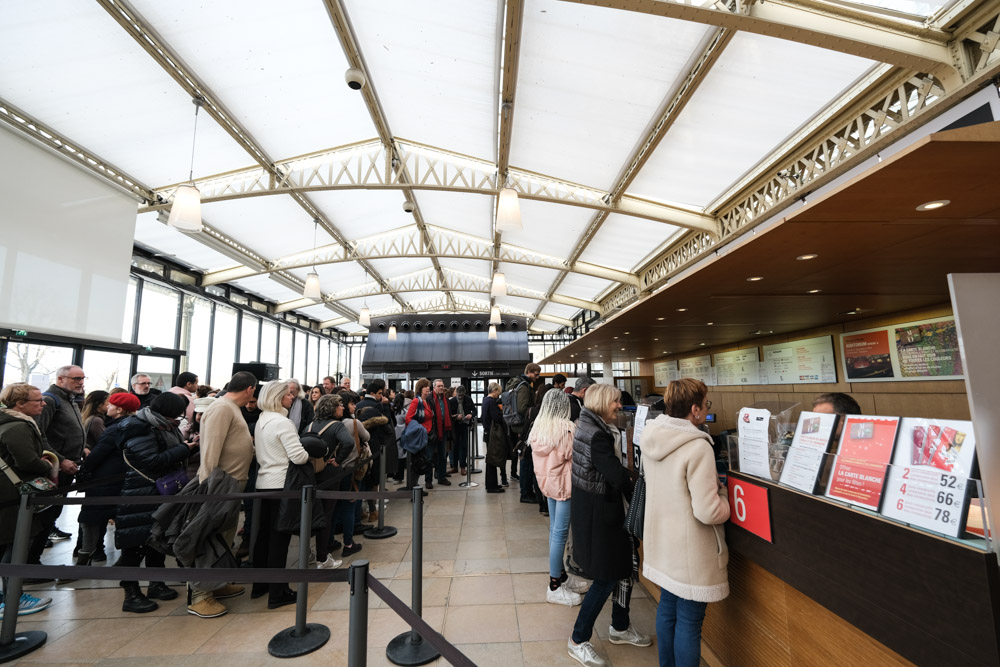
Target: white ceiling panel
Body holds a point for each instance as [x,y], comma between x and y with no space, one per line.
[400,266]
[457,211]
[87,78]
[336,277]
[542,325]
[377,302]
[479,297]
[413,297]
[318,312]
[623,242]
[361,213]
[590,81]
[476,267]
[559,310]
[267,288]
[351,328]
[552,229]
[280,73]
[178,246]
[761,90]
[520,303]
[527,276]
[582,286]
[273,226]
[433,65]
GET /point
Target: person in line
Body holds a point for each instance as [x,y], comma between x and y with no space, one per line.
[497,443]
[461,408]
[151,447]
[551,441]
[301,412]
[94,415]
[276,440]
[543,504]
[345,384]
[224,442]
[523,391]
[346,511]
[329,426]
[601,546]
[329,385]
[421,408]
[559,381]
[375,414]
[579,393]
[442,431]
[142,387]
[204,391]
[684,548]
[105,460]
[314,395]
[23,455]
[186,385]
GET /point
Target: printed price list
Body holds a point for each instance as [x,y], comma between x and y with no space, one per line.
[926,498]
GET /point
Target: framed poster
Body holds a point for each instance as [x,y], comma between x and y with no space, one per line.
[859,472]
[664,372]
[806,361]
[920,350]
[929,477]
[813,435]
[738,367]
[699,368]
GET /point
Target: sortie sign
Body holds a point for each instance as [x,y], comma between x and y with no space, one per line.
[749,508]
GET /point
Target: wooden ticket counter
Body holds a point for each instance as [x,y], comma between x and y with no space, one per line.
[837,586]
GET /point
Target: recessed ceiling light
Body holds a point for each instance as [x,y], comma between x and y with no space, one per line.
[681,310]
[931,205]
[627,332]
[700,343]
[623,349]
[811,255]
[814,291]
[616,337]
[638,357]
[660,319]
[656,339]
[753,279]
[708,324]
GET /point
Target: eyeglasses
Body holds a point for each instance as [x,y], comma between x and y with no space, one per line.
[143,384]
[75,378]
[33,400]
[708,405]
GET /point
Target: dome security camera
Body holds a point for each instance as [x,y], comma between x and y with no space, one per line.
[409,206]
[355,78]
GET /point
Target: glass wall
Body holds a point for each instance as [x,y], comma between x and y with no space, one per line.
[268,343]
[285,351]
[159,369]
[196,327]
[128,323]
[324,360]
[35,364]
[106,370]
[223,344]
[249,332]
[299,372]
[158,316]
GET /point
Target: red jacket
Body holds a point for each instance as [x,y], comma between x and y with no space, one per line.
[428,413]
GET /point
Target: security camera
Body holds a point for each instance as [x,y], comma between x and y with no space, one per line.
[355,78]
[408,206]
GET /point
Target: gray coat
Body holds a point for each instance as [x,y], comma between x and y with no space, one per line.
[61,424]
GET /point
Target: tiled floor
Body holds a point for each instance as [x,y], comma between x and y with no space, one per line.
[485,575]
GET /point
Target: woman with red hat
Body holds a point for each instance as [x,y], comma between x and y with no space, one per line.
[105,460]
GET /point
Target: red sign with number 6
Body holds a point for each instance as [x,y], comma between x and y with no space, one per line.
[748,507]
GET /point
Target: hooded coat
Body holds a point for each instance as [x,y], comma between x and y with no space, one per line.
[684,545]
[553,459]
[21,449]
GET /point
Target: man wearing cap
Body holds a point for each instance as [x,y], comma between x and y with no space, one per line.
[186,385]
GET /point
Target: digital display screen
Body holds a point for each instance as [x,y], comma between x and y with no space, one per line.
[710,418]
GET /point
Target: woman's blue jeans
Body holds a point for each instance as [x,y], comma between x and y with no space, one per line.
[678,630]
[558,530]
[591,607]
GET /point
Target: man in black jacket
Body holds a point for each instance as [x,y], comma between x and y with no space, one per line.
[375,414]
[576,398]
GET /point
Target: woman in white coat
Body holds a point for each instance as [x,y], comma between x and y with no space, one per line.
[684,544]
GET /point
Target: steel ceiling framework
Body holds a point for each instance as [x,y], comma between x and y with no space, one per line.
[930,66]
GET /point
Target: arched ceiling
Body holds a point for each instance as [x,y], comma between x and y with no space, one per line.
[637,133]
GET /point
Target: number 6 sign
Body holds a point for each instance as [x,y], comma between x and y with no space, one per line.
[748,507]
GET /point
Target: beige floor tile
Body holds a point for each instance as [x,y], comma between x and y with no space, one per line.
[482,590]
[445,509]
[534,531]
[385,624]
[483,533]
[493,655]
[174,635]
[528,548]
[449,533]
[432,568]
[435,591]
[338,596]
[632,656]
[339,623]
[553,653]
[441,521]
[94,604]
[482,566]
[543,621]
[383,570]
[530,588]
[482,549]
[249,632]
[531,564]
[54,629]
[435,551]
[482,509]
[96,639]
[380,551]
[481,624]
[483,520]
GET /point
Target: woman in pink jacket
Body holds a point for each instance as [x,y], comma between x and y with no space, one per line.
[551,441]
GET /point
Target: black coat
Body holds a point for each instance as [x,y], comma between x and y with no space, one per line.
[154,453]
[105,460]
[601,546]
[377,420]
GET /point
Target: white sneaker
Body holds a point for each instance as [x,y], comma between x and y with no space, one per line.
[630,636]
[562,595]
[329,564]
[585,654]
[577,584]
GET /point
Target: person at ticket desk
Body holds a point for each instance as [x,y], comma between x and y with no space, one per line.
[836,404]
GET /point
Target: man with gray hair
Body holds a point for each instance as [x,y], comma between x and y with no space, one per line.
[576,398]
[141,386]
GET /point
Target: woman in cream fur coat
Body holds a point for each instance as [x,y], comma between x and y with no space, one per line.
[684,542]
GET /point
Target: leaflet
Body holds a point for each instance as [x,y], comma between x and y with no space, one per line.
[753,446]
[808,450]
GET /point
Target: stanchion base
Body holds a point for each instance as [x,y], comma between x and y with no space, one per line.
[468,485]
[382,533]
[403,651]
[478,457]
[26,642]
[286,645]
[476,471]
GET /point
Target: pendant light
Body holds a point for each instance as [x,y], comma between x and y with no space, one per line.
[185,211]
[495,315]
[365,316]
[312,289]
[392,331]
[508,211]
[499,286]
[493,332]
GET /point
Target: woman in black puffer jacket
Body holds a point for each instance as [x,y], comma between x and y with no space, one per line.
[152,447]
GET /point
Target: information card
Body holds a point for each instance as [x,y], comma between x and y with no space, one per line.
[805,361]
[664,372]
[753,428]
[865,452]
[810,444]
[738,367]
[930,474]
[699,368]
[641,412]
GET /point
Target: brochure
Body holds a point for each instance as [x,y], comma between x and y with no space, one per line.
[811,442]
[866,445]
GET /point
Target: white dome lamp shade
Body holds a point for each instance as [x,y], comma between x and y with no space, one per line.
[185,212]
[508,211]
[495,315]
[392,331]
[493,332]
[499,286]
[312,289]
[365,317]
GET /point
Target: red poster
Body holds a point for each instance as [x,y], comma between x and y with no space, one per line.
[748,507]
[866,355]
[865,450]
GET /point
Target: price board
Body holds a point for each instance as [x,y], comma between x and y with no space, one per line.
[799,362]
[738,367]
[664,372]
[699,368]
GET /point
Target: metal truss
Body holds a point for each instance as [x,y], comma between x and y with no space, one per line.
[371,166]
[461,304]
[413,242]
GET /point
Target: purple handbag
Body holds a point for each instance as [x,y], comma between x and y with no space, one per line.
[168,484]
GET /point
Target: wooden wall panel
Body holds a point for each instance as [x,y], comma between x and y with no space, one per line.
[941,406]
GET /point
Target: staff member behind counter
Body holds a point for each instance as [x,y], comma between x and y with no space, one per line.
[836,404]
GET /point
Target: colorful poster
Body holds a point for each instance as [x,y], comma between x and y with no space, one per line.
[930,474]
[738,367]
[920,350]
[799,362]
[866,355]
[699,368]
[866,445]
[807,453]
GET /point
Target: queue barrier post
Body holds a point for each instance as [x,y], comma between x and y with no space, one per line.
[14,644]
[474,435]
[357,646]
[381,531]
[302,638]
[468,483]
[409,648]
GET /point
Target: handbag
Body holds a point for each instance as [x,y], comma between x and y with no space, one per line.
[364,455]
[166,485]
[27,486]
[637,507]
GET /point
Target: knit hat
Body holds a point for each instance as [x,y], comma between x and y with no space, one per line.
[201,404]
[125,401]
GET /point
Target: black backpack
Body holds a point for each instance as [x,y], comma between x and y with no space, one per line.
[511,416]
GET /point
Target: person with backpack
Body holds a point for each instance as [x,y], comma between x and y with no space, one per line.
[517,401]
[422,409]
[341,456]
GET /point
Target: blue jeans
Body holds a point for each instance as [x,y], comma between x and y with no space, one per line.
[678,630]
[592,604]
[344,513]
[527,474]
[558,530]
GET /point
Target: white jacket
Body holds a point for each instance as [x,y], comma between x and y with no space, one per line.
[684,545]
[276,443]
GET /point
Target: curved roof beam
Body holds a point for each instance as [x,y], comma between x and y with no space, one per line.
[411,166]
